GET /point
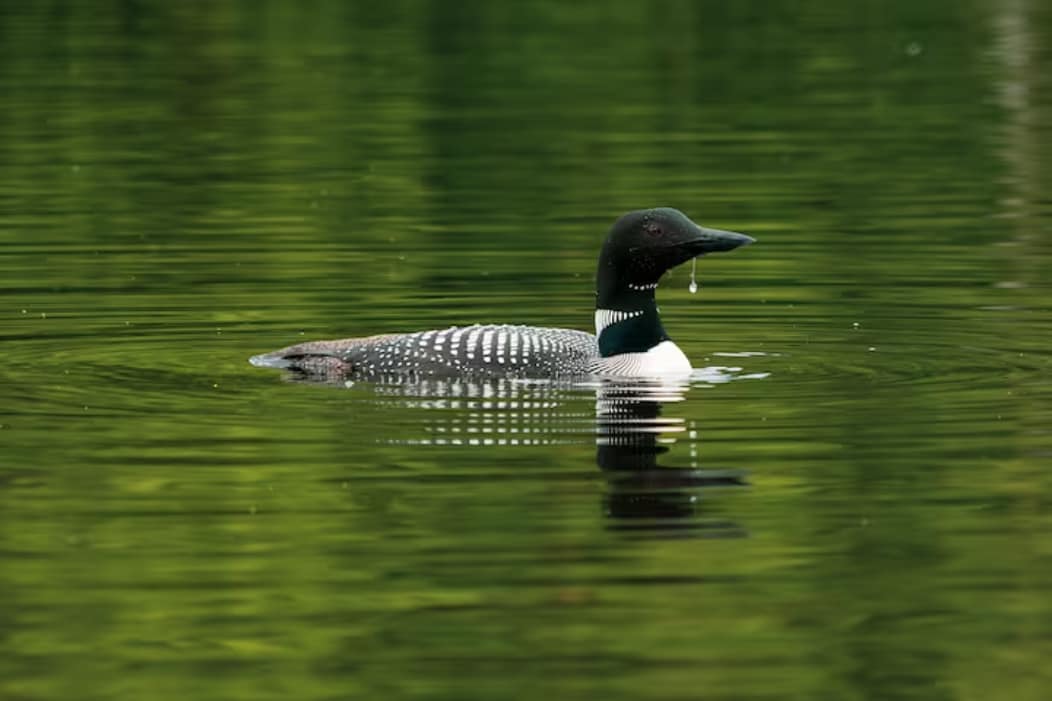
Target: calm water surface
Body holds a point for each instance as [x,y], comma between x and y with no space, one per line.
[849,499]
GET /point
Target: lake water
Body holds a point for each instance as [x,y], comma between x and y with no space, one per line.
[849,500]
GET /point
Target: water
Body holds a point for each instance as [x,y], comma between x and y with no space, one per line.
[848,500]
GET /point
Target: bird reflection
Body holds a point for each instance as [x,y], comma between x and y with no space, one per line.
[643,495]
[628,425]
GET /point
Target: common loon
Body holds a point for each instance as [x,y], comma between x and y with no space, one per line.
[629,342]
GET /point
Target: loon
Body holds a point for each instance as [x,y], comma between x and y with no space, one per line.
[629,339]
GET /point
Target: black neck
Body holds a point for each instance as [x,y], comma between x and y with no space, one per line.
[639,331]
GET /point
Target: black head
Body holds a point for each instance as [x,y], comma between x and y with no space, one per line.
[643,244]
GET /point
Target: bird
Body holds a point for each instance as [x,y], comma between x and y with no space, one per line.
[629,339]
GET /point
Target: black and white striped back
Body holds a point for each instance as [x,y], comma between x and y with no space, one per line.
[481,350]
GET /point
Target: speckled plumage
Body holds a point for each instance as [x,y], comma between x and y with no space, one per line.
[481,350]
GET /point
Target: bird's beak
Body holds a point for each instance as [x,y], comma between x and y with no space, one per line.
[714,240]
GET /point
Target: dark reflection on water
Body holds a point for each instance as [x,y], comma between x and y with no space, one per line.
[628,427]
[644,495]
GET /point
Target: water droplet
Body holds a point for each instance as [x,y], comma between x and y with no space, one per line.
[693,286]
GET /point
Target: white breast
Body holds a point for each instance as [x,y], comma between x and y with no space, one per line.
[663,359]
